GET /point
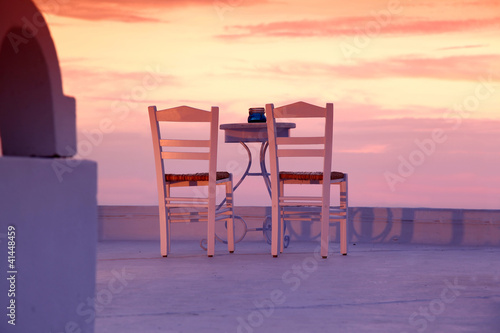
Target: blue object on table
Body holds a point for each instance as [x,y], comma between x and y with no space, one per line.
[256,115]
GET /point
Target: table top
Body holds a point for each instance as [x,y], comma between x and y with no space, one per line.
[244,126]
[253,132]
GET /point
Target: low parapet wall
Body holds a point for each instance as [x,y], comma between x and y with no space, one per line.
[367,225]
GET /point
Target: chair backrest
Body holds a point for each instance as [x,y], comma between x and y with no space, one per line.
[162,143]
[277,145]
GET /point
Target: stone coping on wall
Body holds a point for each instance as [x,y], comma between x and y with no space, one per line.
[439,226]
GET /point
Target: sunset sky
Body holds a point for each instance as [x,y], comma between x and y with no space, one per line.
[416,87]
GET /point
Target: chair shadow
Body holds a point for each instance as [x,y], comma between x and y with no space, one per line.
[389,225]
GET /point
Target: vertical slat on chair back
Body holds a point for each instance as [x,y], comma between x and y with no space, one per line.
[160,169]
[327,161]
[212,164]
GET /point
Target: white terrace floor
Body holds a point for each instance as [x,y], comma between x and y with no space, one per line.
[375,288]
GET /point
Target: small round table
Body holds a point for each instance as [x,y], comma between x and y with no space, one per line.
[244,133]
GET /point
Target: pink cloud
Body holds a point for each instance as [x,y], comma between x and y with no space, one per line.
[125,10]
[453,172]
[101,83]
[487,3]
[459,47]
[454,3]
[350,26]
[453,67]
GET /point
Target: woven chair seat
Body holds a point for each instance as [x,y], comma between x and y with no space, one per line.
[309,175]
[203,176]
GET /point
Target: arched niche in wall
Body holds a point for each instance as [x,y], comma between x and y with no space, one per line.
[36,118]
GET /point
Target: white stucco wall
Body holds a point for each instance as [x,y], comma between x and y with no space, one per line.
[48,218]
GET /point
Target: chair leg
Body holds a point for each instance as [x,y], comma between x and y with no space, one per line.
[163,231]
[325,219]
[325,231]
[275,231]
[211,231]
[169,220]
[164,225]
[211,220]
[343,236]
[282,232]
[282,219]
[343,222]
[230,221]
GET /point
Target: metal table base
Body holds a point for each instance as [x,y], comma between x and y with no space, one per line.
[253,132]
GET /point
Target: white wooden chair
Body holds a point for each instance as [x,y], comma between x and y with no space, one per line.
[191,208]
[315,208]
